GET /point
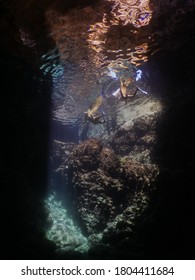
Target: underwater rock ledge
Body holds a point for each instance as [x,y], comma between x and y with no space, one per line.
[105,185]
[108,184]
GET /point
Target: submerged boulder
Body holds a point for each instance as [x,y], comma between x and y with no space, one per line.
[86,156]
[97,200]
[109,161]
[104,185]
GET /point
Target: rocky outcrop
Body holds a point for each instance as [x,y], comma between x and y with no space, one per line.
[105,184]
[86,156]
[110,182]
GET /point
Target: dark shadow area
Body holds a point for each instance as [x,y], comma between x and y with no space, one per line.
[166,230]
[25,114]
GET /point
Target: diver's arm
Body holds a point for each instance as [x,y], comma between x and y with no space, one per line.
[143,91]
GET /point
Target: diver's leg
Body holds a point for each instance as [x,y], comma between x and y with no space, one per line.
[135,92]
[133,95]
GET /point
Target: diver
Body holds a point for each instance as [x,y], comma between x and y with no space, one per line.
[124,83]
[125,93]
[93,115]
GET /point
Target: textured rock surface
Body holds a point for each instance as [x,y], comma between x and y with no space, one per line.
[106,183]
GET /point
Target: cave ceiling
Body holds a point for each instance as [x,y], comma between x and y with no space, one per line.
[79,42]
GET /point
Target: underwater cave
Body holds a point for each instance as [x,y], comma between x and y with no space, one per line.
[98,148]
